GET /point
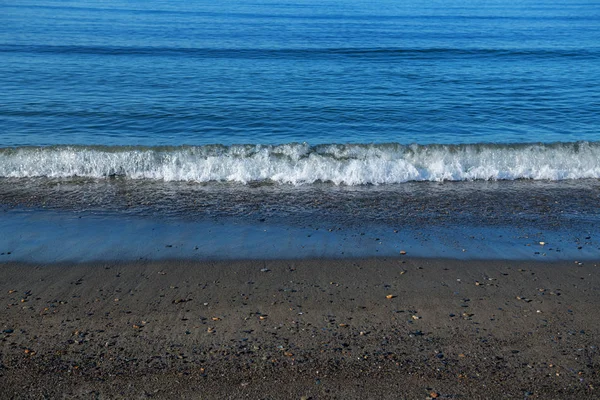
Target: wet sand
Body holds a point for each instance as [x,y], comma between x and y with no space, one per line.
[320,329]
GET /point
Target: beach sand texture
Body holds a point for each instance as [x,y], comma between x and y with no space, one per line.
[319,329]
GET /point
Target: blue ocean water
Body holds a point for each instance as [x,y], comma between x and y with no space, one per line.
[338,116]
[274,72]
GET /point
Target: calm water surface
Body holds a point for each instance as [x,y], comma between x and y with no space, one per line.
[273,72]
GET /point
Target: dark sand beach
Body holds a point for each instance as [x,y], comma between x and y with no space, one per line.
[318,329]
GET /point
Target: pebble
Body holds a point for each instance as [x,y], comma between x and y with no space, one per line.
[403,252]
[525,299]
[390,296]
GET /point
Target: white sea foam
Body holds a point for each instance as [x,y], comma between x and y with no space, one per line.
[341,164]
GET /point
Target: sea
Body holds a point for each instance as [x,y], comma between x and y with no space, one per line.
[261,129]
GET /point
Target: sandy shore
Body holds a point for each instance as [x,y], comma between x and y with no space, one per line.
[320,329]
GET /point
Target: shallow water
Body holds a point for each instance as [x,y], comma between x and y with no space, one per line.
[80,220]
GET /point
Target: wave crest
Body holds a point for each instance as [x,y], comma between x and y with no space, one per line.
[300,163]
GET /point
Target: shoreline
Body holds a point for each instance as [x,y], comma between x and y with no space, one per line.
[322,328]
[48,236]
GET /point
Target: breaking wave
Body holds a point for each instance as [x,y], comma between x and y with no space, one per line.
[300,163]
